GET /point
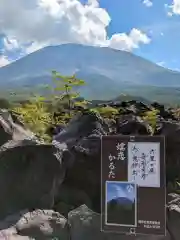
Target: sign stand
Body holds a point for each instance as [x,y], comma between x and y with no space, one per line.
[133,185]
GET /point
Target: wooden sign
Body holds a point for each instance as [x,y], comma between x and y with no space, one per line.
[133,183]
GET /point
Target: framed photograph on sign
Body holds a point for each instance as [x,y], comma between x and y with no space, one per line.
[121,204]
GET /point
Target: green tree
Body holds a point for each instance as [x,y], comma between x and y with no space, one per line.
[64,91]
[38,114]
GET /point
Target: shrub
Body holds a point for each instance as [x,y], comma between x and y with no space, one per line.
[106,112]
[151,117]
[34,116]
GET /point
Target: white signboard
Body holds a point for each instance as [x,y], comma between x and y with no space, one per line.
[144,163]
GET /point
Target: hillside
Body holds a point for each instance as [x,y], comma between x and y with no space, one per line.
[108,72]
[121,211]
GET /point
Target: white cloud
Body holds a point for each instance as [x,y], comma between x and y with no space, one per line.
[169,14]
[174,8]
[38,23]
[128,42]
[162,63]
[34,47]
[147,3]
[10,44]
[4,61]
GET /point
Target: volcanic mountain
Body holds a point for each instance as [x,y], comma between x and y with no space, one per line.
[107,72]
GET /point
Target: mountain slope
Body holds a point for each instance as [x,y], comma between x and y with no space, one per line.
[121,201]
[107,72]
[121,211]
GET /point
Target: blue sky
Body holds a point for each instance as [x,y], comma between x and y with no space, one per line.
[118,189]
[147,28]
[163,30]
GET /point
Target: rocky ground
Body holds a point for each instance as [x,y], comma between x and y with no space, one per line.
[53,190]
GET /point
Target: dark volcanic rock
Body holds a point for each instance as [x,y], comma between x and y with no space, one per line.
[86,224]
[29,178]
[10,130]
[164,113]
[129,124]
[83,124]
[171,131]
[5,127]
[83,136]
[38,224]
[30,171]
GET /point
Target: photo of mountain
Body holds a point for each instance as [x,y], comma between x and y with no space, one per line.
[121,203]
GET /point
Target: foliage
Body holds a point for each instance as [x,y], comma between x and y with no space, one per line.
[106,112]
[34,115]
[58,107]
[64,87]
[176,112]
[151,117]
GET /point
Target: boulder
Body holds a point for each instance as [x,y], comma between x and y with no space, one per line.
[130,124]
[86,224]
[70,198]
[83,135]
[29,178]
[82,223]
[11,130]
[39,224]
[81,126]
[30,171]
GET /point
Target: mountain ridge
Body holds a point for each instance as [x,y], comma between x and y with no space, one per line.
[75,45]
[108,72]
[121,200]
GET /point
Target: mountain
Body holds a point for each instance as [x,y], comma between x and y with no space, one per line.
[121,200]
[108,72]
[121,210]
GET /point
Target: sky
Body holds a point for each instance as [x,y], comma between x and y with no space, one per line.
[148,28]
[115,190]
